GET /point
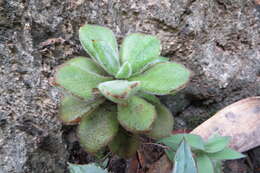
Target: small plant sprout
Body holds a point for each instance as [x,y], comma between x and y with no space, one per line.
[111,94]
[88,168]
[206,156]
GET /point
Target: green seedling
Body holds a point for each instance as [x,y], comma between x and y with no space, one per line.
[111,94]
[89,168]
[208,155]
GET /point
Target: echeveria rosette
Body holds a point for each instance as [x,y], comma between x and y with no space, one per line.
[126,79]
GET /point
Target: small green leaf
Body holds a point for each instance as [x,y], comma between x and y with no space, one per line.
[137,116]
[139,50]
[204,164]
[125,71]
[72,108]
[216,144]
[89,168]
[124,144]
[119,91]
[183,161]
[88,33]
[226,154]
[163,124]
[106,57]
[98,129]
[163,78]
[173,141]
[80,76]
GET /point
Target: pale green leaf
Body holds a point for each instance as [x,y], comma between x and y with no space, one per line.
[88,33]
[98,129]
[226,154]
[163,124]
[80,76]
[137,116]
[204,164]
[216,144]
[106,57]
[154,61]
[89,168]
[173,141]
[183,161]
[163,78]
[119,91]
[125,71]
[139,50]
[72,108]
[150,98]
[124,145]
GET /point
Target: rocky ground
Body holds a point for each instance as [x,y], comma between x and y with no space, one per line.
[219,40]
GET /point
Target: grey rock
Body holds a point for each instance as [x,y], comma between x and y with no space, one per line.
[217,39]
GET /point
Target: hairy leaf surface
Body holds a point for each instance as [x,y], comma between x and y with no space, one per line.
[106,57]
[125,71]
[119,91]
[163,78]
[72,108]
[80,76]
[137,116]
[88,33]
[139,50]
[163,124]
[124,144]
[98,129]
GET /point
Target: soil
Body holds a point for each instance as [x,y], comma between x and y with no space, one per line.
[218,40]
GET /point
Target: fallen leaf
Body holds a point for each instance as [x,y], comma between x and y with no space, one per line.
[240,121]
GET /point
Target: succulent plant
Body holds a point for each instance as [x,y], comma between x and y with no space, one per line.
[191,154]
[111,94]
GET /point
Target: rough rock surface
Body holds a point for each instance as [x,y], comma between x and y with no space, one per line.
[218,39]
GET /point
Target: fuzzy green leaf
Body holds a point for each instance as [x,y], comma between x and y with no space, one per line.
[88,33]
[183,161]
[106,57]
[163,78]
[124,144]
[125,71]
[137,116]
[173,141]
[163,124]
[204,164]
[139,50]
[72,108]
[216,144]
[226,154]
[80,76]
[98,129]
[119,91]
[89,168]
